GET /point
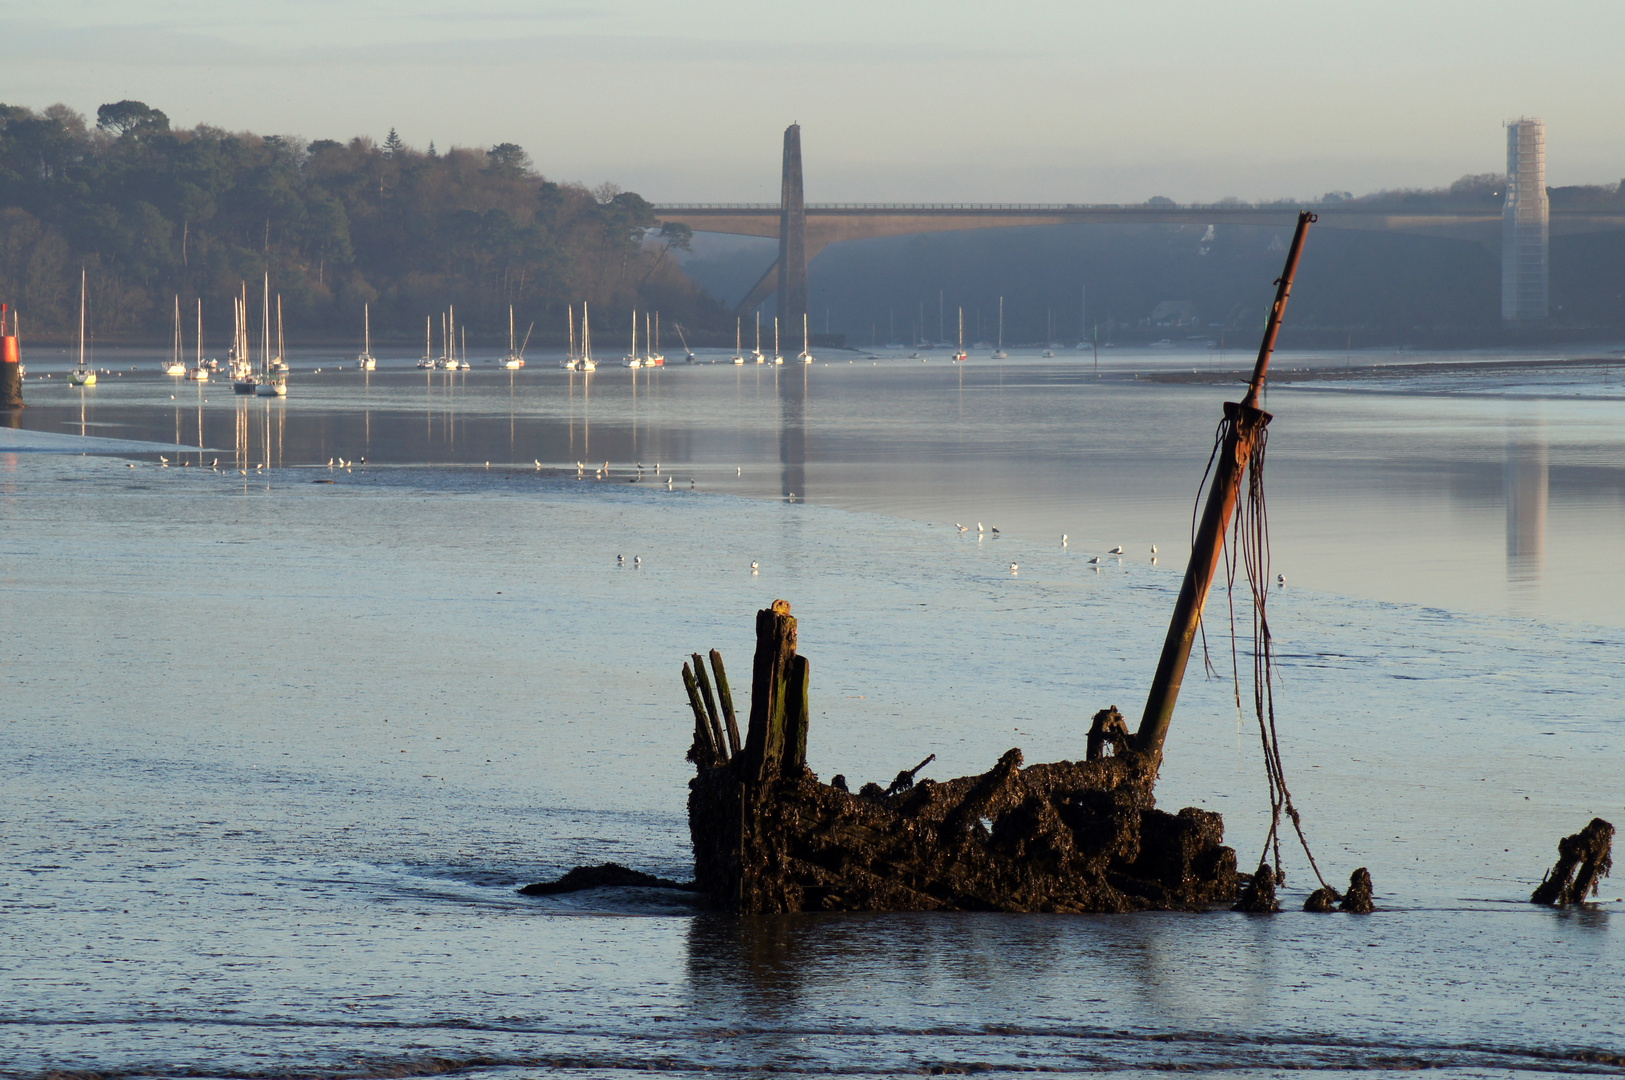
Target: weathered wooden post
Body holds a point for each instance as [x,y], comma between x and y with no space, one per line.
[770,693]
[1246,422]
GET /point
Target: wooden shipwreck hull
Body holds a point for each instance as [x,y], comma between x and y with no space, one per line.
[1064,836]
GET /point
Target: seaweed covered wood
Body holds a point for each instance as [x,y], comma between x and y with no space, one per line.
[1062,836]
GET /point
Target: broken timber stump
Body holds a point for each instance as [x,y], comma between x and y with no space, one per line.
[1583,860]
[1063,836]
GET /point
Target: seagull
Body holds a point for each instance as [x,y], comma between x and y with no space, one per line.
[960,527]
[1095,561]
[691,483]
[979,527]
[163,459]
[994,530]
[620,560]
[538,462]
[1153,549]
[1014,567]
[1280,579]
[740,471]
[131,465]
[754,565]
[1063,539]
[1118,550]
[637,560]
[329,463]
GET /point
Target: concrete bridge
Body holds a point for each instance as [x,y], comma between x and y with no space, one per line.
[804,230]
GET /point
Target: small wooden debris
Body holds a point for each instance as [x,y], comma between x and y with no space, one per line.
[1258,894]
[1583,860]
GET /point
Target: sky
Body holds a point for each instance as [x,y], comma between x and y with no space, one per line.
[941,101]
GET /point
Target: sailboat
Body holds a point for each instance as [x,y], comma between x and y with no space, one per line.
[513,359]
[806,356]
[428,337]
[243,379]
[999,353]
[569,361]
[760,359]
[653,356]
[739,353]
[366,361]
[82,375]
[778,357]
[587,363]
[274,376]
[462,352]
[201,372]
[176,366]
[688,353]
[633,360]
[278,365]
[959,353]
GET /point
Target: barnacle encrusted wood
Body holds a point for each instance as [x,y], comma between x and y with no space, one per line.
[1062,836]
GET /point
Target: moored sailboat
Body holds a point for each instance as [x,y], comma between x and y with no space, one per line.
[806,356]
[366,361]
[175,365]
[515,358]
[82,375]
[273,380]
[201,372]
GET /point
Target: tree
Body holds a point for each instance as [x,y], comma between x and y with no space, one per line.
[133,118]
[393,144]
[509,160]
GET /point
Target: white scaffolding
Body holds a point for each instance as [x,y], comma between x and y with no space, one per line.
[1524,228]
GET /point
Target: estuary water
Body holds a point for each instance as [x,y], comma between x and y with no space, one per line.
[282,737]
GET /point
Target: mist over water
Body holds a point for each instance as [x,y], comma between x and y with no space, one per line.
[277,752]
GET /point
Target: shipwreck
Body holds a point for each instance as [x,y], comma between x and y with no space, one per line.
[1064,836]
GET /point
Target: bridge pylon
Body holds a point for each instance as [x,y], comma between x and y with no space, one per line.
[792,284]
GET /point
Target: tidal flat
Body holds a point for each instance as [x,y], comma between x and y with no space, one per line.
[278,751]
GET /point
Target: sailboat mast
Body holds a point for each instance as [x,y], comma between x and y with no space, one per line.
[81,318]
[265,328]
[1001,323]
[510,329]
[280,352]
[200,333]
[366,328]
[570,341]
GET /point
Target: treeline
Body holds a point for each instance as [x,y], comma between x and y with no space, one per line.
[152,212]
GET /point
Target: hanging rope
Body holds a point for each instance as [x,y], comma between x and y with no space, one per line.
[1248,549]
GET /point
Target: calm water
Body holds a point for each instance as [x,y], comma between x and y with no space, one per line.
[276,753]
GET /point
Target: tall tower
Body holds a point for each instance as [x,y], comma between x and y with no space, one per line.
[793,237]
[1524,280]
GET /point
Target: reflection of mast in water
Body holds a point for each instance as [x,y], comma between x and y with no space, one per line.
[1527,493]
[793,433]
[240,445]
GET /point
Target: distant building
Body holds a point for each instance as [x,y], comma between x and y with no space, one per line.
[1524,234]
[1174,313]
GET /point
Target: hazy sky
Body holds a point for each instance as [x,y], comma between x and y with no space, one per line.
[1081,101]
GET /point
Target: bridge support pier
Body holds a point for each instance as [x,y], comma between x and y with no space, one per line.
[792,283]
